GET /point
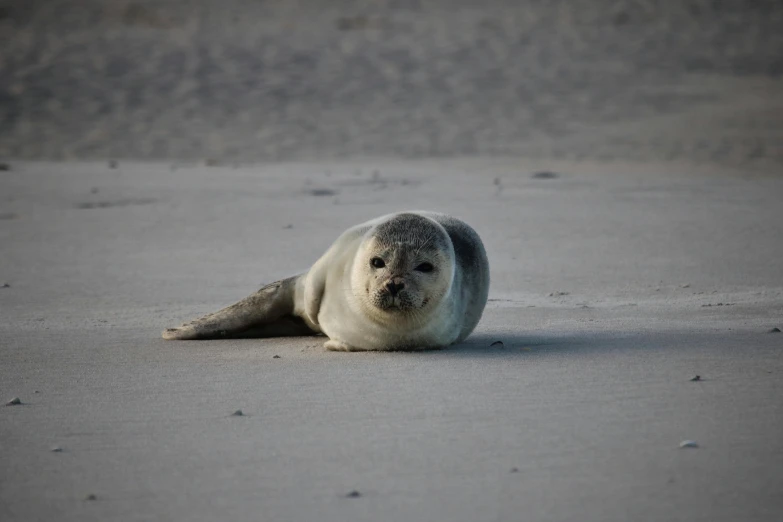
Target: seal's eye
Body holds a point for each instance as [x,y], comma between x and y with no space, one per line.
[377,262]
[424,267]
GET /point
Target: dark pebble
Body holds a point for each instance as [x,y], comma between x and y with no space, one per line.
[238,413]
[775,330]
[14,402]
[275,357]
[5,166]
[497,343]
[352,23]
[697,378]
[113,164]
[545,174]
[621,18]
[353,494]
[322,192]
[56,449]
[514,470]
[6,285]
[91,497]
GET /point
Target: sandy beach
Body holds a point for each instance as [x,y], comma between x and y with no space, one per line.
[622,164]
[613,286]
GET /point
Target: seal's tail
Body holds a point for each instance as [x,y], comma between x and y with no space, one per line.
[266,313]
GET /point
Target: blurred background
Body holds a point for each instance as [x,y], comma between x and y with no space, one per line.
[269,80]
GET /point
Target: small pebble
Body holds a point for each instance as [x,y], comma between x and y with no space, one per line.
[514,470]
[91,497]
[5,166]
[497,343]
[275,357]
[113,164]
[14,402]
[322,192]
[94,190]
[353,494]
[544,174]
[6,285]
[352,23]
[238,413]
[56,449]
[697,378]
[775,330]
[689,444]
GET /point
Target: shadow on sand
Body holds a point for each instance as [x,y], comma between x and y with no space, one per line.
[506,345]
[485,344]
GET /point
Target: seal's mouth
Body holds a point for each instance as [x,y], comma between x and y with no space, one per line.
[394,303]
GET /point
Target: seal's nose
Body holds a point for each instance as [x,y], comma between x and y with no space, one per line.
[394,286]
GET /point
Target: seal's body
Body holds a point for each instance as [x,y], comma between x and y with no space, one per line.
[405,281]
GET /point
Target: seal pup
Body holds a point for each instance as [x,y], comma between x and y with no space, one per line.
[405,281]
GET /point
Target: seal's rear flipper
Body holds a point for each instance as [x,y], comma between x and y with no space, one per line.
[266,313]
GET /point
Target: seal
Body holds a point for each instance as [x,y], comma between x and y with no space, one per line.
[405,281]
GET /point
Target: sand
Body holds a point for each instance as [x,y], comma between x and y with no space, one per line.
[283,80]
[614,284]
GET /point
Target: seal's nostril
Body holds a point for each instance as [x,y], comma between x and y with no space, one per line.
[393,287]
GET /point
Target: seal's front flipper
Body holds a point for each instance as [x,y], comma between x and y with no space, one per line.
[339,346]
[266,313]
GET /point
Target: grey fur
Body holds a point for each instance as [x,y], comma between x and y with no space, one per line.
[265,313]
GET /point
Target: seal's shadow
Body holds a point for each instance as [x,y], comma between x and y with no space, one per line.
[489,345]
[486,344]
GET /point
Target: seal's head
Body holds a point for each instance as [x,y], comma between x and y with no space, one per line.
[403,268]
